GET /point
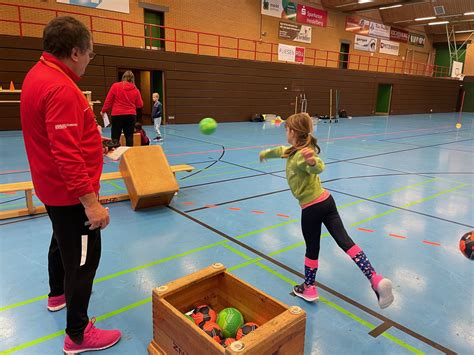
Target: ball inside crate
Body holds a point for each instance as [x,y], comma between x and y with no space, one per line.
[281,330]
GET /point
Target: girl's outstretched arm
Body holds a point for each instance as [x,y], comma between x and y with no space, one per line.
[272,153]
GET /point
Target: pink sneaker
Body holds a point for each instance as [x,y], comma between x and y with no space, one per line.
[308,293]
[94,339]
[56,303]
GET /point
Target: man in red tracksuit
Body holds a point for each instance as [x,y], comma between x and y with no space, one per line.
[64,151]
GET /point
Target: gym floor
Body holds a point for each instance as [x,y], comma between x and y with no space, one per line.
[404,188]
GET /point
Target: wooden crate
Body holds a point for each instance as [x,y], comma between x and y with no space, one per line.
[281,331]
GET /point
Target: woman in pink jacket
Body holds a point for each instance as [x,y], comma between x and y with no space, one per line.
[124,98]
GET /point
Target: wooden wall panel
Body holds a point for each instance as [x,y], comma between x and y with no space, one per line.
[233,90]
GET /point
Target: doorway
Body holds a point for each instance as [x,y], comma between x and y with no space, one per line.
[344,55]
[147,82]
[154,35]
[384,98]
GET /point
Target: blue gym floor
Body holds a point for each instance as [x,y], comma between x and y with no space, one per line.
[404,188]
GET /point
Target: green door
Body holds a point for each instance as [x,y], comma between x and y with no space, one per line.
[156,33]
[384,96]
[344,55]
[469,97]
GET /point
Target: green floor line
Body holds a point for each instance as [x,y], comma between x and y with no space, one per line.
[62,332]
[344,311]
[156,262]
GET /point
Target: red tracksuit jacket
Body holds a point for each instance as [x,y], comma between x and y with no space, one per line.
[62,142]
[124,98]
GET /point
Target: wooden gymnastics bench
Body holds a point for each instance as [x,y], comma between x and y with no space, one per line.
[28,187]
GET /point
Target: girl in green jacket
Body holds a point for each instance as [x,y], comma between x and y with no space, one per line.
[303,166]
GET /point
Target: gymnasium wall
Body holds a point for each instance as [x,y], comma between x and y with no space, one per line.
[225,17]
[232,90]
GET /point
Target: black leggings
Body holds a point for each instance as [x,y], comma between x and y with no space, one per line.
[125,122]
[312,218]
[73,258]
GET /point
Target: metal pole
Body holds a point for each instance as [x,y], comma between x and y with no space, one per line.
[330,105]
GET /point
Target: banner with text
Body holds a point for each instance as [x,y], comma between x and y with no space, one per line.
[311,16]
[398,35]
[111,5]
[364,43]
[416,39]
[379,30]
[290,53]
[279,8]
[389,47]
[294,32]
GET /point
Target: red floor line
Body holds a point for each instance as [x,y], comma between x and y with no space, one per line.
[188,203]
[234,208]
[210,206]
[397,236]
[431,243]
[282,215]
[258,212]
[366,230]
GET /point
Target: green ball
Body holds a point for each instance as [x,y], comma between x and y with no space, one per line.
[230,320]
[207,125]
[189,317]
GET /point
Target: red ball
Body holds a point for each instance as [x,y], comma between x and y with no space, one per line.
[203,313]
[466,245]
[213,330]
[227,341]
[245,329]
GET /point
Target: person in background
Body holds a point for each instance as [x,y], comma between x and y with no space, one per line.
[143,137]
[64,150]
[123,98]
[303,166]
[156,115]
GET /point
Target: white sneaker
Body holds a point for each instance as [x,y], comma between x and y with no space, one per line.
[384,293]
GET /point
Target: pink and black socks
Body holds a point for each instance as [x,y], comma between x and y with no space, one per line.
[361,260]
[381,286]
[310,268]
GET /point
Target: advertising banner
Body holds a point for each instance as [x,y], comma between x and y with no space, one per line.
[379,30]
[357,25]
[290,53]
[389,47]
[279,8]
[111,5]
[295,32]
[311,16]
[398,35]
[364,43]
[416,39]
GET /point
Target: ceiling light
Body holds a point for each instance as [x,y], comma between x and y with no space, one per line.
[465,31]
[364,1]
[438,23]
[348,4]
[390,7]
[402,21]
[425,18]
[468,13]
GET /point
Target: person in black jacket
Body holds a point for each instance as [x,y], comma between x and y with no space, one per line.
[156,114]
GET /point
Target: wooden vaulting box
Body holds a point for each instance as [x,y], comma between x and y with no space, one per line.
[148,177]
[281,330]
